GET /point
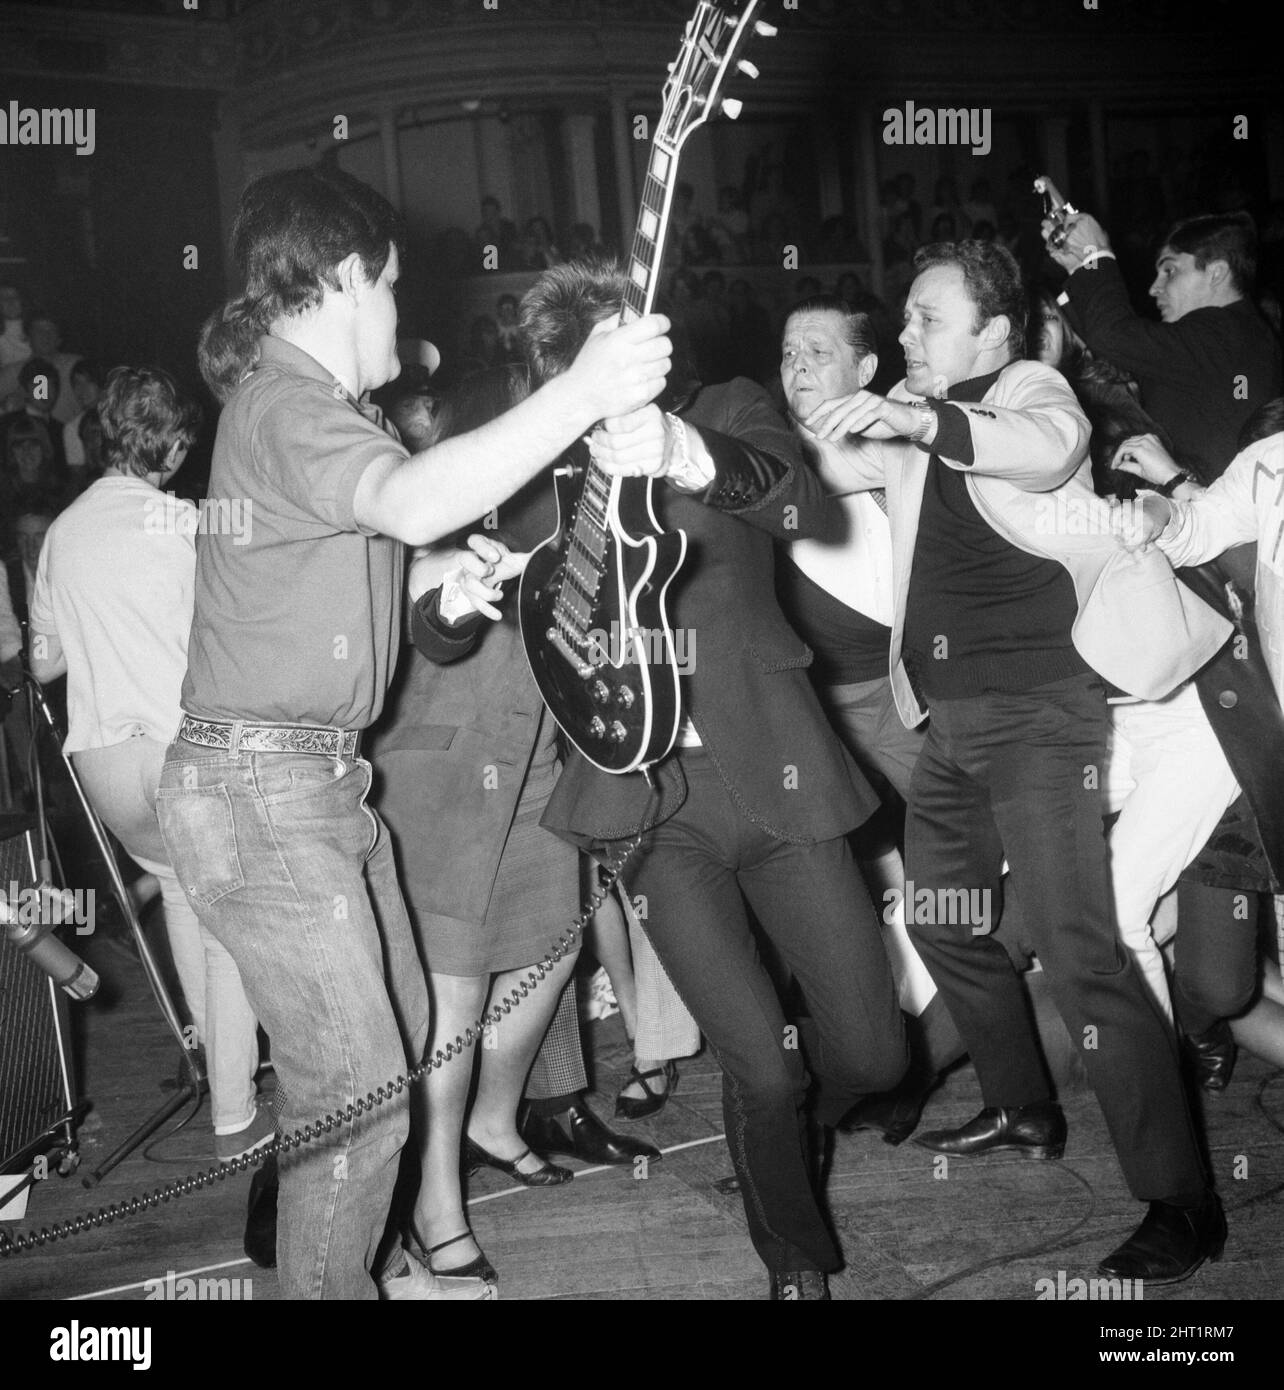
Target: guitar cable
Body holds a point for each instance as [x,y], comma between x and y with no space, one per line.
[23,1242]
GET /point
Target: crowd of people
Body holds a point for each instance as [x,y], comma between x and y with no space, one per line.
[978,638]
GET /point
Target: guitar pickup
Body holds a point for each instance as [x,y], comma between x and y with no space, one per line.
[583,669]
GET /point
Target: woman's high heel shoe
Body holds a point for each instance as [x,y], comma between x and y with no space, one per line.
[550,1175]
[476,1271]
[637,1108]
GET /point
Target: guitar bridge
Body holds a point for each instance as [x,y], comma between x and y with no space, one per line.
[582,668]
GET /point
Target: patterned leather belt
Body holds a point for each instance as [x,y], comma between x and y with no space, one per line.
[271,738]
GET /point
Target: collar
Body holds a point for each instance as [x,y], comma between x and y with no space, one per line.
[299,363]
[974,388]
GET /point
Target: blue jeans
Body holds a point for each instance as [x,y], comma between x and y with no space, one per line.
[287,866]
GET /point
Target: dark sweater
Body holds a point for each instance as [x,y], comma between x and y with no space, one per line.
[981,614]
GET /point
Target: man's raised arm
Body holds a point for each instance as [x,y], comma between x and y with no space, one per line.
[421,499]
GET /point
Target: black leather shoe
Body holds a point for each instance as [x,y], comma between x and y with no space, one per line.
[260,1222]
[1170,1244]
[577,1132]
[1035,1131]
[893,1114]
[794,1285]
[1212,1056]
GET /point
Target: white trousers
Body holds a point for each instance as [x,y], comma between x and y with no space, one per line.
[120,782]
[1170,781]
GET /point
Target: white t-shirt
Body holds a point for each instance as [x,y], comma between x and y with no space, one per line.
[115,585]
[856,570]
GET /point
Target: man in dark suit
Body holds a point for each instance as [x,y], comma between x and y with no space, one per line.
[1212,361]
[752,807]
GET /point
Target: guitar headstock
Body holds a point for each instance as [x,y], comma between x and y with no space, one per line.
[715,36]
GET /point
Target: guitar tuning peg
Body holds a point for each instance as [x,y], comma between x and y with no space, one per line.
[731,108]
[746,67]
[765,30]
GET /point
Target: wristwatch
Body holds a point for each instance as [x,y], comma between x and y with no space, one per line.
[926,419]
[1167,489]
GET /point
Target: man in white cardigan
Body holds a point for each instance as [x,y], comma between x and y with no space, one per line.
[1012,601]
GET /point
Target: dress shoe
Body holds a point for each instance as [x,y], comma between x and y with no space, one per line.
[1035,1131]
[893,1114]
[639,1107]
[550,1175]
[577,1132]
[260,1221]
[1212,1056]
[1171,1243]
[797,1284]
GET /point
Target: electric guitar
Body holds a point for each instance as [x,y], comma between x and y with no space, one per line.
[592,598]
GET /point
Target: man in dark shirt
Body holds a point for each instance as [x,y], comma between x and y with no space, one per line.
[986,601]
[1212,361]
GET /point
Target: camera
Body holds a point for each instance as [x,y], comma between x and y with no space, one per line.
[1055,209]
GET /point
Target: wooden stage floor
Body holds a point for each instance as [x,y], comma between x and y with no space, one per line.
[986,1230]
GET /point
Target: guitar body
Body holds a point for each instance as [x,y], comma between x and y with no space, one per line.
[611,680]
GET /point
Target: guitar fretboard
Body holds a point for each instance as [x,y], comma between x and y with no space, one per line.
[648,238]
[590,533]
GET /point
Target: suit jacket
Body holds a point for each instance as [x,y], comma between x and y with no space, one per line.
[748,693]
[1031,479]
[1188,371]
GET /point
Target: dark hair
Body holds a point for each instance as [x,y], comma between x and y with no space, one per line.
[1229,237]
[858,328]
[86,366]
[481,397]
[992,279]
[291,230]
[34,368]
[1266,420]
[560,309]
[24,428]
[144,413]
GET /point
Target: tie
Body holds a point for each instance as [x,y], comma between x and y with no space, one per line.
[879,496]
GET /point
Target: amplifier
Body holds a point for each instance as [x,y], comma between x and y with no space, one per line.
[35,1069]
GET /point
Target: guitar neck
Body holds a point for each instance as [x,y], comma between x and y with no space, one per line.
[648,238]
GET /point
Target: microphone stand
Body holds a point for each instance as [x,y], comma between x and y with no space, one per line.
[196,1083]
